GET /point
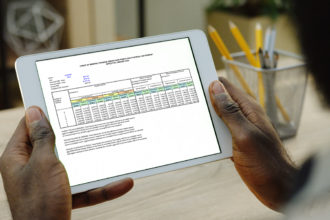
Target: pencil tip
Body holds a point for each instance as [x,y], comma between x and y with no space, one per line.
[260,50]
[210,28]
[231,24]
[266,54]
[258,26]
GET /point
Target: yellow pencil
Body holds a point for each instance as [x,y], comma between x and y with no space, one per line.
[261,86]
[258,40]
[224,51]
[244,46]
[282,110]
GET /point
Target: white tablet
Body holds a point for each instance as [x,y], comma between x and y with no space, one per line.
[128,109]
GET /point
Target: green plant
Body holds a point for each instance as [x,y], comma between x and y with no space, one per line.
[251,8]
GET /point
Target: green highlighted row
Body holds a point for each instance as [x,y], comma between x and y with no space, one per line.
[78,103]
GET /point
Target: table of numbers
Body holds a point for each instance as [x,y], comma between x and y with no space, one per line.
[122,98]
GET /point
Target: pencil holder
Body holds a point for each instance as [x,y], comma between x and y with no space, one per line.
[279,90]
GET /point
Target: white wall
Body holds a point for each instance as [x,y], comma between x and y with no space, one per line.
[162,16]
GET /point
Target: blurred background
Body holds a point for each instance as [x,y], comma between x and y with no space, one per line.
[29,27]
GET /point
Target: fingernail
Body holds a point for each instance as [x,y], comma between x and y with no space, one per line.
[33,115]
[218,88]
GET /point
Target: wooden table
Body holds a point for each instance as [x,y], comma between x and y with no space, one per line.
[209,191]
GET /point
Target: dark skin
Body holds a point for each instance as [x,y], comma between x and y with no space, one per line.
[258,154]
[35,181]
[33,175]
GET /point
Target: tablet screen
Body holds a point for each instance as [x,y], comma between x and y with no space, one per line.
[126,110]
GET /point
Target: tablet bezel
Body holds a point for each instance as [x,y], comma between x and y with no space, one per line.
[31,91]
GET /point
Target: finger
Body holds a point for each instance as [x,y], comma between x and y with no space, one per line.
[40,132]
[236,93]
[227,109]
[251,109]
[246,103]
[18,149]
[99,195]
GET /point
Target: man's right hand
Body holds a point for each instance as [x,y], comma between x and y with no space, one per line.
[258,154]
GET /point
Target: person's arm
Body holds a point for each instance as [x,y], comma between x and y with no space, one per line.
[35,181]
[258,154]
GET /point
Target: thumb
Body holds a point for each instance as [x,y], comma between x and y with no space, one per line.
[227,109]
[41,133]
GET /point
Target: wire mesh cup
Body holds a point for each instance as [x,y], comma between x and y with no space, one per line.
[280,90]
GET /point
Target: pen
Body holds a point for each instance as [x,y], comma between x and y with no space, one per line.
[267,60]
[267,40]
[276,57]
[272,45]
[261,59]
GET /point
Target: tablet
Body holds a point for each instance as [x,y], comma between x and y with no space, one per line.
[128,109]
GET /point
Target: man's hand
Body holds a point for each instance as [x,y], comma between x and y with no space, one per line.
[35,181]
[258,153]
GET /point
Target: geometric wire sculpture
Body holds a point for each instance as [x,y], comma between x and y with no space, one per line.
[33,27]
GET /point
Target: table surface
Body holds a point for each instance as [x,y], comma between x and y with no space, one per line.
[208,191]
